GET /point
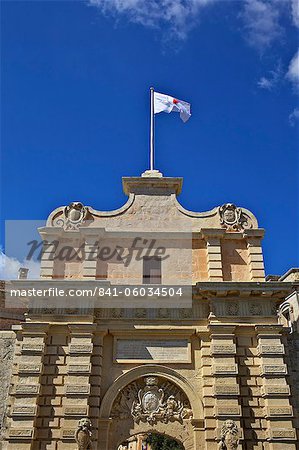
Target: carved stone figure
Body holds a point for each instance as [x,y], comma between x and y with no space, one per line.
[229,436]
[151,401]
[233,218]
[83,434]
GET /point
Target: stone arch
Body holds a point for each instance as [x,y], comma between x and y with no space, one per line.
[151,370]
[154,432]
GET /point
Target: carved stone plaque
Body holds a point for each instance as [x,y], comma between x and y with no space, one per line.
[152,349]
[225,369]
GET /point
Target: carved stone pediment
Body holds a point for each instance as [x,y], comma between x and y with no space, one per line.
[151,400]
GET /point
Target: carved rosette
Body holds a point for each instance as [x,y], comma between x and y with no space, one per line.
[229,436]
[83,434]
[73,215]
[234,218]
[152,400]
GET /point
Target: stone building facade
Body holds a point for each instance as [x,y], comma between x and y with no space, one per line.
[217,369]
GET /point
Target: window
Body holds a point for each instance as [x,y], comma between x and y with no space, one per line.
[152,270]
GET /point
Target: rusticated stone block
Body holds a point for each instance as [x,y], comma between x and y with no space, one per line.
[21,433]
[283,433]
[79,368]
[32,348]
[222,369]
[23,410]
[228,411]
[273,369]
[278,411]
[75,410]
[68,433]
[77,389]
[223,349]
[30,368]
[226,389]
[80,348]
[271,349]
[273,389]
[27,389]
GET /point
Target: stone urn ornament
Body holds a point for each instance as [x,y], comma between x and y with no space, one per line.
[83,434]
[229,436]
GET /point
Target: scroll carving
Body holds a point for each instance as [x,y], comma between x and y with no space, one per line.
[234,218]
[152,400]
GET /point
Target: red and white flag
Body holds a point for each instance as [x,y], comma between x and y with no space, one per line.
[168,104]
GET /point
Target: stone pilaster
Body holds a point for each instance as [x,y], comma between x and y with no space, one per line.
[214,258]
[278,412]
[50,236]
[27,374]
[91,238]
[77,387]
[95,381]
[225,372]
[255,254]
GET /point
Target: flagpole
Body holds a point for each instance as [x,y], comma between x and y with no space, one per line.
[152,131]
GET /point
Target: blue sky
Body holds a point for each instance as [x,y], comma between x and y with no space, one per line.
[75,106]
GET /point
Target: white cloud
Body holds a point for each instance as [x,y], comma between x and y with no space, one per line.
[293,70]
[178,16]
[271,81]
[261,18]
[9,267]
[295,12]
[294,116]
[261,22]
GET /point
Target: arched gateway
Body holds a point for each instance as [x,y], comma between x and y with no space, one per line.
[149,399]
[179,337]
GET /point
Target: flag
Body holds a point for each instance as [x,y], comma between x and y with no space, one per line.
[169,104]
